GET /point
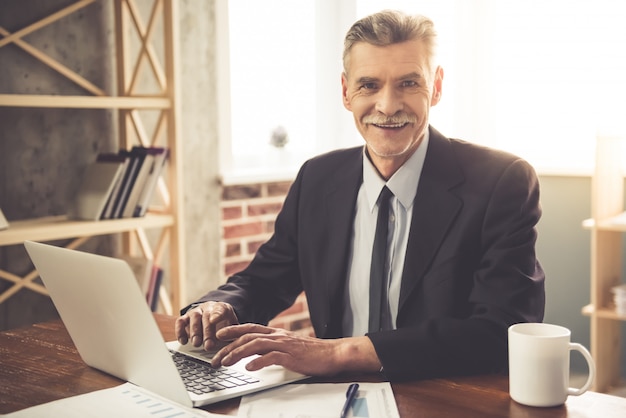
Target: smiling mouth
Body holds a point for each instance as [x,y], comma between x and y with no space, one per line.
[391,125]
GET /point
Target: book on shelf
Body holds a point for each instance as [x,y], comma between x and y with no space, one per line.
[147,158]
[3,221]
[143,158]
[98,181]
[127,179]
[137,180]
[158,163]
[156,279]
[107,213]
[119,185]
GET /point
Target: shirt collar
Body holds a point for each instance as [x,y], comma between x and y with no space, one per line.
[403,183]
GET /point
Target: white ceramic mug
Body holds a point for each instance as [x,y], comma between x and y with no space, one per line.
[539,364]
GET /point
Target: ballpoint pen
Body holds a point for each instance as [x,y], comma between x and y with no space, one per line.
[350,396]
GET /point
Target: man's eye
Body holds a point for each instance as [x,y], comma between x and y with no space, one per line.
[409,83]
[368,86]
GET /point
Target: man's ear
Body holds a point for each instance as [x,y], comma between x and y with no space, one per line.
[437,86]
[344,92]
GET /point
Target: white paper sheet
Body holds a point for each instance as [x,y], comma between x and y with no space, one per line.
[126,400]
[598,405]
[320,400]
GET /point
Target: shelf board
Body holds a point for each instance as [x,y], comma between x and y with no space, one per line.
[606,313]
[86,102]
[59,227]
[615,223]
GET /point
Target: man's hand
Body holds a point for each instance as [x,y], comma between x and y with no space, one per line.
[201,324]
[302,354]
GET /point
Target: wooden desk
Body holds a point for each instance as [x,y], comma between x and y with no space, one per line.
[39,364]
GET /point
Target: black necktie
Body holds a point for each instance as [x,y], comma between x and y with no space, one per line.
[379,301]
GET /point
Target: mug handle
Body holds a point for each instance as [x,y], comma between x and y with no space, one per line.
[592,370]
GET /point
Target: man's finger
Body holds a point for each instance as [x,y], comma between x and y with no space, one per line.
[195,326]
[247,344]
[212,315]
[235,331]
[181,329]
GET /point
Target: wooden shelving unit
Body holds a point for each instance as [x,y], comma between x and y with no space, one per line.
[59,227]
[607,226]
[135,39]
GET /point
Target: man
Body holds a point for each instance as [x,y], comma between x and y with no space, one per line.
[460,261]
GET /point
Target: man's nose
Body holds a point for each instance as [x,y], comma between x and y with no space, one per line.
[389,101]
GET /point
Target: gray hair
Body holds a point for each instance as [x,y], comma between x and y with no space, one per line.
[390,27]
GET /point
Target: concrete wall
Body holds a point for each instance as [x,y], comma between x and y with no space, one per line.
[44,151]
[199,133]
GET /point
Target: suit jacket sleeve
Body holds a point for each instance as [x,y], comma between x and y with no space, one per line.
[308,250]
[271,282]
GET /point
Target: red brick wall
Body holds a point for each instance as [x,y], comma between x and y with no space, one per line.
[248,214]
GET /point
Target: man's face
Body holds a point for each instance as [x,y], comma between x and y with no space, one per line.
[390,90]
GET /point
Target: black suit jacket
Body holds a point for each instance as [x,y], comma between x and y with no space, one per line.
[470,268]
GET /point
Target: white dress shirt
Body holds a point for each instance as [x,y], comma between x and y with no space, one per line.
[403,185]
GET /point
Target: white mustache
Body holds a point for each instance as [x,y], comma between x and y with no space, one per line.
[398,119]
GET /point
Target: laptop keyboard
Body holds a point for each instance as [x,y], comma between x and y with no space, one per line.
[200,378]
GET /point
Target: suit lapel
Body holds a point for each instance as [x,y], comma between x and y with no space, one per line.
[339,207]
[435,208]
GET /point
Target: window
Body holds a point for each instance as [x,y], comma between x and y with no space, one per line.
[272,78]
[559,79]
[284,67]
[538,78]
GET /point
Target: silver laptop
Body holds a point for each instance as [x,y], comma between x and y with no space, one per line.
[108,319]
